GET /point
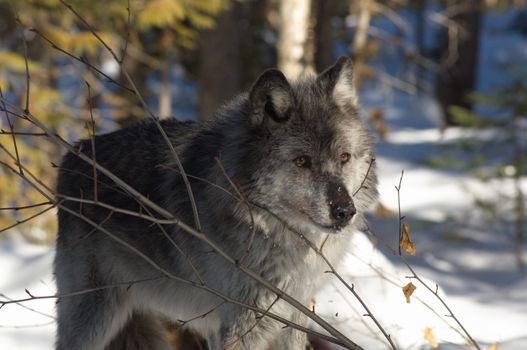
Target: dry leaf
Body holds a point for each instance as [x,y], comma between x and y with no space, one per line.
[406,243]
[494,346]
[312,304]
[408,291]
[429,337]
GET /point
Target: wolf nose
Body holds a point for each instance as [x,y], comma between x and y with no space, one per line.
[343,212]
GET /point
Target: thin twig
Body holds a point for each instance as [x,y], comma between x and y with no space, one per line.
[253,326]
[29,218]
[203,315]
[81,60]
[29,308]
[204,180]
[127,37]
[17,208]
[398,188]
[244,201]
[16,133]
[370,165]
[92,137]
[11,127]
[32,297]
[94,33]
[26,63]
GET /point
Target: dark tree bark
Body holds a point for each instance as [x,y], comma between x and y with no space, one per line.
[219,72]
[324,11]
[420,9]
[458,66]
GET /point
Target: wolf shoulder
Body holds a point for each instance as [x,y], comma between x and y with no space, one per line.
[135,154]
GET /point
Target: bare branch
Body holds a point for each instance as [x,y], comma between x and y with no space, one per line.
[91,134]
[28,76]
[127,37]
[28,308]
[27,206]
[370,165]
[398,188]
[81,60]
[244,201]
[258,320]
[11,127]
[72,294]
[14,133]
[79,17]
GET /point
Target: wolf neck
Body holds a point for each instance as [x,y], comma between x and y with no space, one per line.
[216,162]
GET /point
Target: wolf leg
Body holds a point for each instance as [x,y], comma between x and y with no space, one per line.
[90,321]
[290,338]
[142,332]
[248,333]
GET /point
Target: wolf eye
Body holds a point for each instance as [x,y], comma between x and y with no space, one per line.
[302,161]
[345,157]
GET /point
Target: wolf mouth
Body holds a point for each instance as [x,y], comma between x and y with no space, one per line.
[290,212]
[306,217]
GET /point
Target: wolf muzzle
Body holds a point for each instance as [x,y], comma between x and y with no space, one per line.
[341,206]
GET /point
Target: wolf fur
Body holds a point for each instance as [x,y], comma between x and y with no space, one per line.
[300,155]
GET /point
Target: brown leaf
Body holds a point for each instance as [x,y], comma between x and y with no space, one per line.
[312,304]
[429,337]
[408,291]
[406,242]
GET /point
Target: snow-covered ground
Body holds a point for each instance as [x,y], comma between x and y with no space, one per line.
[26,266]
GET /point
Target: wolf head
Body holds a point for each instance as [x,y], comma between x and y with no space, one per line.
[311,159]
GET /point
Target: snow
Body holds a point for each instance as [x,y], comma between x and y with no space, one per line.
[26,266]
[471,260]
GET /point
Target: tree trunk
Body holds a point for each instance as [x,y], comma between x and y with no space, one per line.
[420,9]
[220,62]
[361,36]
[325,10]
[458,66]
[294,54]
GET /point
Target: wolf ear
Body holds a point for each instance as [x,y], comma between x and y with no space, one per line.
[271,99]
[339,82]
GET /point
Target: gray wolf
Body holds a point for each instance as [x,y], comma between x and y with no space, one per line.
[299,154]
